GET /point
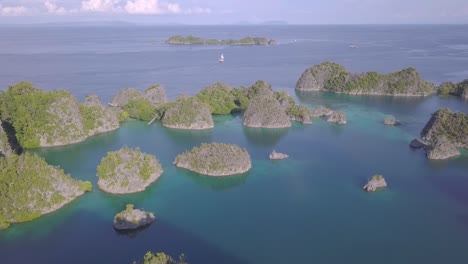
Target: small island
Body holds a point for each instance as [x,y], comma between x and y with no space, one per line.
[215,159]
[375,183]
[331,116]
[127,171]
[131,218]
[391,121]
[278,155]
[161,258]
[192,40]
[444,133]
[333,77]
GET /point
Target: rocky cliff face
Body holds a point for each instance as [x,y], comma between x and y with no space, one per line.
[444,132]
[127,171]
[65,125]
[124,96]
[375,183]
[188,113]
[215,159]
[156,95]
[97,119]
[266,112]
[333,77]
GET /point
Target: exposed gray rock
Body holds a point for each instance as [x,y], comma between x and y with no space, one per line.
[337,117]
[132,219]
[442,149]
[375,183]
[278,156]
[391,122]
[265,111]
[156,95]
[452,125]
[124,96]
[321,111]
[105,119]
[418,143]
[66,125]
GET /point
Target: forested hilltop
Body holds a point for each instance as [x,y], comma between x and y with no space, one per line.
[43,119]
[192,40]
[333,77]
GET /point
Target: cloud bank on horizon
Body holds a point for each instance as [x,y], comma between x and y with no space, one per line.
[226,11]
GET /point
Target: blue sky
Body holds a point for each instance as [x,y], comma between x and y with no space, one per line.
[225,12]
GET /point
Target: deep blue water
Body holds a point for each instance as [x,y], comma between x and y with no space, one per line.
[309,208]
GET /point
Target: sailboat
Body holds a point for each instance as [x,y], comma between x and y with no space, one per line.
[221,58]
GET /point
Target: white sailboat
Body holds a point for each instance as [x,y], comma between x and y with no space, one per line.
[221,58]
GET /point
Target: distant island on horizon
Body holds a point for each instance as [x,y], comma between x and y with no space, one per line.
[193,40]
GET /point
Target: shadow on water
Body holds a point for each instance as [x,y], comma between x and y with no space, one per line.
[183,136]
[72,246]
[131,233]
[11,135]
[266,137]
[218,183]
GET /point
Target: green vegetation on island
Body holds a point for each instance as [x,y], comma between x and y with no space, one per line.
[53,118]
[457,89]
[192,40]
[143,106]
[29,188]
[452,125]
[219,98]
[127,171]
[161,258]
[215,159]
[333,77]
[187,113]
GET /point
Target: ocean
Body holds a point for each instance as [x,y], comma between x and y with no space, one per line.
[309,208]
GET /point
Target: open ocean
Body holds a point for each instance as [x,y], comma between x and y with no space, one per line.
[309,208]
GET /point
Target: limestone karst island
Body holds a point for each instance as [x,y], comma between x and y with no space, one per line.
[227,132]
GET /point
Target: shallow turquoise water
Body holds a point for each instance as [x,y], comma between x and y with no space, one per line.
[309,208]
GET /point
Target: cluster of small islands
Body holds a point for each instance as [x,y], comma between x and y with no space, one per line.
[32,118]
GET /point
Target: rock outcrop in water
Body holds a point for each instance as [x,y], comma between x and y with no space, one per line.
[444,132]
[131,218]
[457,89]
[278,156]
[29,188]
[391,121]
[161,258]
[127,171]
[44,119]
[418,143]
[332,77]
[337,117]
[375,183]
[191,40]
[215,159]
[188,113]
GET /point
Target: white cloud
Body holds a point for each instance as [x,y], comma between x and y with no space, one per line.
[54,9]
[198,10]
[12,10]
[143,7]
[174,8]
[99,5]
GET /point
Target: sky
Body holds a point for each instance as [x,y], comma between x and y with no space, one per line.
[236,11]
